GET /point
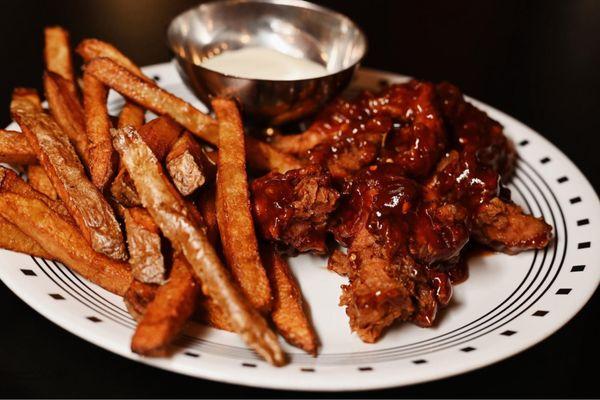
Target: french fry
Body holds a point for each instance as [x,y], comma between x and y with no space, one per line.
[288,312]
[67,111]
[159,134]
[61,239]
[11,182]
[12,238]
[38,179]
[137,298]
[144,244]
[234,216]
[57,55]
[260,155]
[85,203]
[14,149]
[171,214]
[132,115]
[102,157]
[167,313]
[208,209]
[188,165]
[89,49]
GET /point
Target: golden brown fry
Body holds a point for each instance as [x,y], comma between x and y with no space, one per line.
[38,179]
[12,238]
[15,149]
[288,312]
[301,142]
[85,203]
[159,134]
[137,298]
[57,55]
[89,49]
[188,165]
[61,239]
[68,112]
[260,155]
[102,157]
[233,209]
[172,215]
[144,244]
[11,182]
[132,115]
[165,316]
[208,209]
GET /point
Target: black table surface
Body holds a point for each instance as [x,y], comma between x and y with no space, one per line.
[539,61]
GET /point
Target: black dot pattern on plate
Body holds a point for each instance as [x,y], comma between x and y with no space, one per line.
[540,313]
[563,291]
[584,245]
[545,160]
[156,78]
[575,200]
[524,142]
[582,222]
[467,349]
[94,319]
[562,179]
[249,365]
[577,268]
[508,333]
[365,369]
[419,361]
[307,369]
[56,296]
[383,82]
[28,272]
[192,354]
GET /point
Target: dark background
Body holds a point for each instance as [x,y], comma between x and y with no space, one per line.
[539,61]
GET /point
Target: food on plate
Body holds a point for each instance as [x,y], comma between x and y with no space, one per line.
[38,179]
[159,134]
[57,55]
[15,149]
[234,215]
[102,156]
[145,246]
[87,206]
[148,95]
[391,186]
[60,237]
[68,113]
[188,165]
[288,312]
[171,214]
[164,317]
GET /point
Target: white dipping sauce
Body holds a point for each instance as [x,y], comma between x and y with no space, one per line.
[264,63]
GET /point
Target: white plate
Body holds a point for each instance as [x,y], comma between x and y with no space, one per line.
[508,304]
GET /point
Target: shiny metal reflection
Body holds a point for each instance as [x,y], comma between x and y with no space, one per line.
[294,27]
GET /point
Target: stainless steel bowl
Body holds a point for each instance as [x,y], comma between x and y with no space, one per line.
[296,28]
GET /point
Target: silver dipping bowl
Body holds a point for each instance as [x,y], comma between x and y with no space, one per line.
[296,28]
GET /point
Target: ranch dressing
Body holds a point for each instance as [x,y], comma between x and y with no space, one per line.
[264,63]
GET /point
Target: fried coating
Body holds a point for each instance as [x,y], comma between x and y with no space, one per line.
[137,298]
[12,238]
[234,215]
[132,115]
[288,313]
[171,214]
[57,55]
[188,165]
[68,113]
[102,156]
[165,316]
[38,179]
[85,203]
[144,245]
[14,149]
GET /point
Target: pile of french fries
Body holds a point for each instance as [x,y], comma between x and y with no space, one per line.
[157,212]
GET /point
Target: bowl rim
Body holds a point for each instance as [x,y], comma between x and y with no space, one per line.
[292,3]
